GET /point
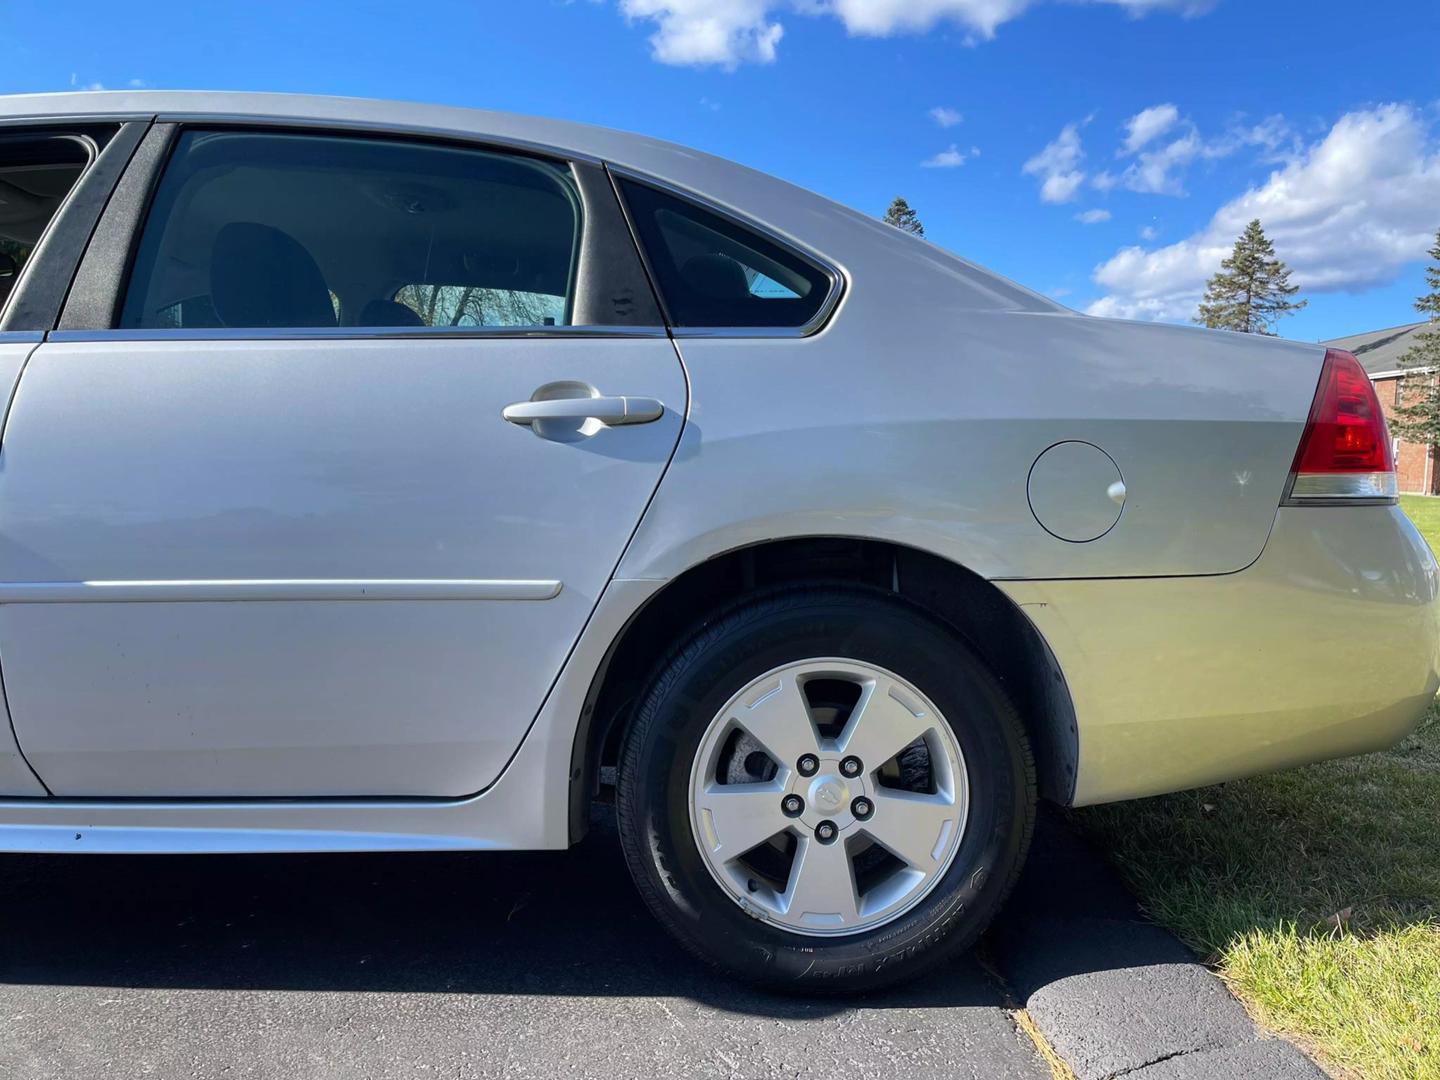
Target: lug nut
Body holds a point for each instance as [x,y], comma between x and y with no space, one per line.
[792,805]
[826,832]
[851,766]
[862,808]
[808,765]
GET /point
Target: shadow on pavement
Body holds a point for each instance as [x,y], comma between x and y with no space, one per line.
[562,923]
[555,923]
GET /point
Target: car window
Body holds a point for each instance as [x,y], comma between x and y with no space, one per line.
[36,173]
[471,305]
[255,230]
[712,272]
[199,311]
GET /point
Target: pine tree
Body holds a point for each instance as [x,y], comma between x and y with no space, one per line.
[1419,418]
[903,217]
[1252,290]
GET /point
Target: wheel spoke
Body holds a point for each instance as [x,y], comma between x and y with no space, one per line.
[780,718]
[738,817]
[884,721]
[821,889]
[828,798]
[913,827]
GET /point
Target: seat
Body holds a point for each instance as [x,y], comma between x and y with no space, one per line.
[261,276]
[717,277]
[388,313]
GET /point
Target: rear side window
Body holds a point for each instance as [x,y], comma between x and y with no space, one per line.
[36,174]
[257,230]
[712,272]
[465,305]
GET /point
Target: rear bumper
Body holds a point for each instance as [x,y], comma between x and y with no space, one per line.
[1326,646]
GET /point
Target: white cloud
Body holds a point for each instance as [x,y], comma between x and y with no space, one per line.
[733,32]
[1092,217]
[881,18]
[725,32]
[1148,232]
[1271,133]
[1158,167]
[945,116]
[1153,173]
[1149,124]
[1346,213]
[946,159]
[1187,8]
[1058,166]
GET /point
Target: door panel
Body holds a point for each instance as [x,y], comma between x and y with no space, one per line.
[15,776]
[229,566]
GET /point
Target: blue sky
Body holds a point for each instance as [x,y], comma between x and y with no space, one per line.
[1164,124]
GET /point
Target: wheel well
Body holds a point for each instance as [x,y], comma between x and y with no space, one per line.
[989,621]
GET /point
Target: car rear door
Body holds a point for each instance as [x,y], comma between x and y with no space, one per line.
[339,441]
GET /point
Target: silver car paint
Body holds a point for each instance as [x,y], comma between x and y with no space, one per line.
[886,431]
[15,775]
[1224,725]
[915,428]
[526,808]
[344,497]
[1325,647]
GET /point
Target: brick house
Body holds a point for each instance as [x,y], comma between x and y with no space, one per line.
[1416,468]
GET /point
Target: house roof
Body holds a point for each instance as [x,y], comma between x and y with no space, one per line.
[1380,350]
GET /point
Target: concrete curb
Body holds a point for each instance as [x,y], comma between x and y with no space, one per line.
[1116,995]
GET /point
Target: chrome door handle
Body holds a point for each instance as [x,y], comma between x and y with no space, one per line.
[610,411]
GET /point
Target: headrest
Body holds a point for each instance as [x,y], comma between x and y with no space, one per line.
[260,276]
[717,277]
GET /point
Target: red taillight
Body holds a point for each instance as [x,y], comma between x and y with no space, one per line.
[1345,451]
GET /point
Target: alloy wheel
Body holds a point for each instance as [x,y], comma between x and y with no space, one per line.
[828,797]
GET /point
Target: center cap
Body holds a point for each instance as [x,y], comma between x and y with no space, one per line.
[829,794]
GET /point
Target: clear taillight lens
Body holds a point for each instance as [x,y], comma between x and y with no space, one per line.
[1345,453]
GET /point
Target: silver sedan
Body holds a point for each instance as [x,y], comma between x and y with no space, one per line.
[384,477]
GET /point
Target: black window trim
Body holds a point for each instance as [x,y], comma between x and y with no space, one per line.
[817,322]
[92,310]
[47,277]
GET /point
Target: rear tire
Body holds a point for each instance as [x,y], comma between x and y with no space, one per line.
[911,904]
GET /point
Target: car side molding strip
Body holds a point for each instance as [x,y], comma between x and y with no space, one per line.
[130,592]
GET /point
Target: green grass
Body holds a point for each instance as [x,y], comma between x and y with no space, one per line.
[1315,893]
[1425,512]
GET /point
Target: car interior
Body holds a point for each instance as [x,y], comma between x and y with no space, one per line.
[713,272]
[268,230]
[35,177]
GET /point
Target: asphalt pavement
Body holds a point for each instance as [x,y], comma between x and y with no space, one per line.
[429,965]
[546,965]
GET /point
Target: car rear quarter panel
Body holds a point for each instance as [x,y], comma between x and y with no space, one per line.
[916,418]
